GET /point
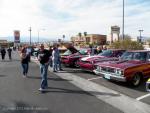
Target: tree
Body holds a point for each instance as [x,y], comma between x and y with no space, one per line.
[85,34]
[80,34]
[127,44]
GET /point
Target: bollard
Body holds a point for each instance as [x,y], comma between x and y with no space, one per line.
[148,85]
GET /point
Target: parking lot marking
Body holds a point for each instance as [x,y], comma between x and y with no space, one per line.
[94,78]
[142,97]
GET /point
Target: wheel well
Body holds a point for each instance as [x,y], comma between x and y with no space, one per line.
[140,73]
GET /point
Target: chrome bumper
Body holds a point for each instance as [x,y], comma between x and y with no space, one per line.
[110,76]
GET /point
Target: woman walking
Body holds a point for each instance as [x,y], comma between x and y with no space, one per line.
[24,61]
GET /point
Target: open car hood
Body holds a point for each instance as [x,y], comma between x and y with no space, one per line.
[72,49]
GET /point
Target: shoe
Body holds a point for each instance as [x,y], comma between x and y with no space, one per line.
[60,69]
[41,89]
[24,76]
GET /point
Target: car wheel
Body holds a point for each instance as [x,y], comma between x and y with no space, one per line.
[136,80]
[76,64]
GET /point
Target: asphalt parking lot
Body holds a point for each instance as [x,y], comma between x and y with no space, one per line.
[139,93]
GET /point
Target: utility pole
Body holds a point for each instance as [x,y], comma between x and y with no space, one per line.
[63,37]
[30,35]
[123,22]
[141,30]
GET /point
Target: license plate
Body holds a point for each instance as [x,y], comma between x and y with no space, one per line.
[107,76]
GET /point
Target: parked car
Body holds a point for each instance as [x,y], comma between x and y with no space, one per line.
[87,63]
[132,67]
[72,55]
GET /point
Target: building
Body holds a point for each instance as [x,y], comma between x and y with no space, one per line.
[3,43]
[96,39]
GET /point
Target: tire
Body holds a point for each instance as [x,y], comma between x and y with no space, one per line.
[136,80]
[76,64]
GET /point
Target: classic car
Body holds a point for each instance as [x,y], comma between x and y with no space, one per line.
[72,55]
[132,67]
[87,63]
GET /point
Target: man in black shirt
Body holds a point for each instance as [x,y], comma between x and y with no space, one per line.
[9,50]
[43,57]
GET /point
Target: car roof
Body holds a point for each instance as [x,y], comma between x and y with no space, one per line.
[138,50]
[116,49]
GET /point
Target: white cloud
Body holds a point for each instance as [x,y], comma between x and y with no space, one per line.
[69,17]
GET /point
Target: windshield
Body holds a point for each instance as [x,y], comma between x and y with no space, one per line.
[68,52]
[106,53]
[134,56]
[83,52]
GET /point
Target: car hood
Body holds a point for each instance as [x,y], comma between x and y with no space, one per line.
[91,58]
[72,49]
[72,55]
[121,64]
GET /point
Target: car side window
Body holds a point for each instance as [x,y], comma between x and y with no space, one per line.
[148,56]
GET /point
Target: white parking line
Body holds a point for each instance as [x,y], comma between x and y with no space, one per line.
[94,78]
[142,97]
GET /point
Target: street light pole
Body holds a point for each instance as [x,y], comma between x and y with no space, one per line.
[123,22]
[30,35]
[141,30]
[63,37]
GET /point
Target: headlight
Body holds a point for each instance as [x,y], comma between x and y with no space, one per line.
[98,68]
[93,62]
[119,72]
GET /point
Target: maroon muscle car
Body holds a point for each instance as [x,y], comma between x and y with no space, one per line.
[72,55]
[87,63]
[132,67]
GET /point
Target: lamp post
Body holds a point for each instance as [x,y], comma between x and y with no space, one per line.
[30,34]
[39,34]
[141,30]
[63,37]
[123,21]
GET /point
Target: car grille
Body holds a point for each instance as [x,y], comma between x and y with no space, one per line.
[108,69]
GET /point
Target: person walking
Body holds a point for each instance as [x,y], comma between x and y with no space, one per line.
[29,53]
[50,58]
[59,59]
[24,61]
[55,56]
[9,50]
[43,57]
[3,52]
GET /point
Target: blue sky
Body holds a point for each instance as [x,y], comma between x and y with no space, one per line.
[69,17]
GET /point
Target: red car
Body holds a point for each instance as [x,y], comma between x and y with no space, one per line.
[87,63]
[72,55]
[133,67]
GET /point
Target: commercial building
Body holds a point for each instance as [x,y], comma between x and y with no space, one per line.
[96,39]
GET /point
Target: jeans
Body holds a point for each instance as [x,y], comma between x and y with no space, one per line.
[50,62]
[59,64]
[25,68]
[55,63]
[43,69]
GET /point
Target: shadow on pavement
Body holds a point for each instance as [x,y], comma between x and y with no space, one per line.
[91,93]
[140,88]
[3,75]
[54,79]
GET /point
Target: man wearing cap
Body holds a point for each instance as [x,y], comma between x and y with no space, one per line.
[43,57]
